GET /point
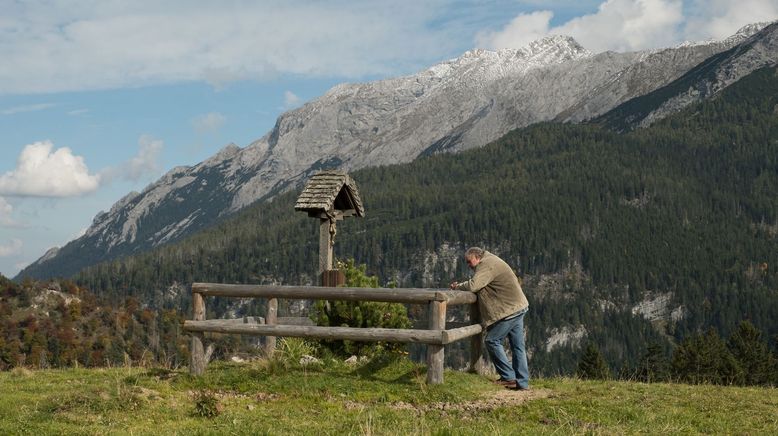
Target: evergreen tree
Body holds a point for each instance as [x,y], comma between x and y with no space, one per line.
[592,365]
[752,355]
[361,314]
[653,366]
[704,358]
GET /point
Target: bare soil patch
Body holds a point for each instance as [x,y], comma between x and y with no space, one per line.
[498,398]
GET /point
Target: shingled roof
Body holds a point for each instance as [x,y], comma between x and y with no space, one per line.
[330,190]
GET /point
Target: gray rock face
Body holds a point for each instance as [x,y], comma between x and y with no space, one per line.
[726,65]
[758,51]
[459,104]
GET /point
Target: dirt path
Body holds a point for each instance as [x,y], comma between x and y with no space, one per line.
[498,398]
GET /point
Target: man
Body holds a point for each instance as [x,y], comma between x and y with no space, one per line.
[502,305]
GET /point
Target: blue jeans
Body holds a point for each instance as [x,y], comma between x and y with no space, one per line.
[514,329]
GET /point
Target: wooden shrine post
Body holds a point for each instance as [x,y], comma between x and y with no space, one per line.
[330,196]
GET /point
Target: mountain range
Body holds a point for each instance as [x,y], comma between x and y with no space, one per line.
[456,105]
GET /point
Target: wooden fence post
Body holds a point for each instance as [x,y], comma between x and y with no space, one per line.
[271,318]
[478,360]
[197,359]
[436,353]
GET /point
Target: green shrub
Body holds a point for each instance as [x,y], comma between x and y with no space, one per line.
[362,314]
[207,405]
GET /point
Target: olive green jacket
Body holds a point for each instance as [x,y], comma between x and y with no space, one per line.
[498,288]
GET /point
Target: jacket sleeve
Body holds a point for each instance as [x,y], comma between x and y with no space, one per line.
[482,277]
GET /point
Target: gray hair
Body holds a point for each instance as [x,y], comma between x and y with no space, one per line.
[476,252]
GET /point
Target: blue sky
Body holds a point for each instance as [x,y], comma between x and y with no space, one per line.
[99,98]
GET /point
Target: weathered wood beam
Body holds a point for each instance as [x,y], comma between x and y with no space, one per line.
[479,362]
[336,214]
[454,335]
[271,318]
[325,245]
[436,352]
[389,295]
[197,360]
[349,333]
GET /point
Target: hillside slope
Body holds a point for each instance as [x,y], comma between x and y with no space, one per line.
[626,239]
[375,398]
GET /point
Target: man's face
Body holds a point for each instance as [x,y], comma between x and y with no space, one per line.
[472,261]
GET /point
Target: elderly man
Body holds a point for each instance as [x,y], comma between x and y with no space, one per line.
[502,305]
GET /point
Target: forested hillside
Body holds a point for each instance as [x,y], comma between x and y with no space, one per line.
[595,222]
[58,324]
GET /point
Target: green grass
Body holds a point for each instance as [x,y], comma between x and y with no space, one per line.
[381,397]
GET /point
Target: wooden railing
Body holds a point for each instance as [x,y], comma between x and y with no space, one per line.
[435,336]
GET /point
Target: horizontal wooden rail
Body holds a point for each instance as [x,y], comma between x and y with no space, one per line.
[454,335]
[317,332]
[434,337]
[388,295]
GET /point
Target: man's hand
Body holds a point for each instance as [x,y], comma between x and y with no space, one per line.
[453,285]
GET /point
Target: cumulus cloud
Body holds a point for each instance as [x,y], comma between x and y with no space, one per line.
[12,248]
[717,19]
[291,100]
[91,44]
[628,25]
[209,122]
[619,25]
[522,30]
[145,163]
[42,171]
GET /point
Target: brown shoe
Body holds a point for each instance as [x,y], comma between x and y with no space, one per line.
[506,383]
[516,387]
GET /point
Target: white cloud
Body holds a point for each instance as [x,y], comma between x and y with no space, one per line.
[522,30]
[717,19]
[6,210]
[41,172]
[145,163]
[91,44]
[27,108]
[12,248]
[209,122]
[291,100]
[627,25]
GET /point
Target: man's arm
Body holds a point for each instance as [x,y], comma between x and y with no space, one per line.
[481,278]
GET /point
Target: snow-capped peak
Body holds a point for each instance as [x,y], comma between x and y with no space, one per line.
[493,64]
[742,34]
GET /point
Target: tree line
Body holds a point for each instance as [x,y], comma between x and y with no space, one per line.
[703,358]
